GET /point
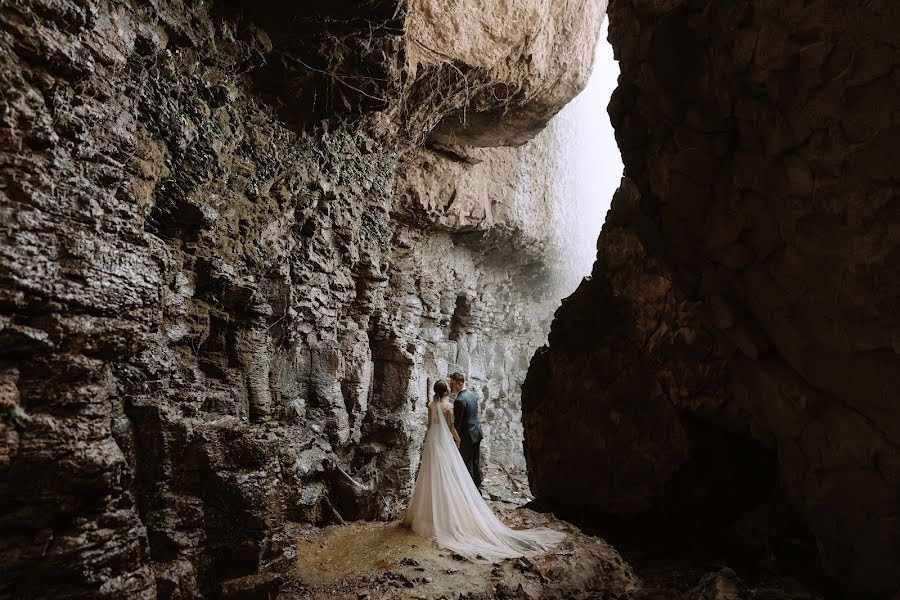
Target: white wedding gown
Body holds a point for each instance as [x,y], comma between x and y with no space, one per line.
[446,506]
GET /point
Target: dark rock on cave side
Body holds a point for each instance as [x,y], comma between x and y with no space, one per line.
[734,360]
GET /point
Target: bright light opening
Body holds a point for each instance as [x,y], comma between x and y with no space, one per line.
[588,167]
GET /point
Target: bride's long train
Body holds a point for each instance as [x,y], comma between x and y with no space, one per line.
[447,507]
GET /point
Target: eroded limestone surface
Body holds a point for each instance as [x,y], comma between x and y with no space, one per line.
[225,287]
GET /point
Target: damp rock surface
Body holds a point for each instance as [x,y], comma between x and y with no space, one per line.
[387,560]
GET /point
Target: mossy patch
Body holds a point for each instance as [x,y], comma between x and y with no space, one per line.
[11,79]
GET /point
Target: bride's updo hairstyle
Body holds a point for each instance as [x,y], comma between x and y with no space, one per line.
[441,389]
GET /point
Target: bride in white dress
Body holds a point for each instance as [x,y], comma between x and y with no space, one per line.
[446,506]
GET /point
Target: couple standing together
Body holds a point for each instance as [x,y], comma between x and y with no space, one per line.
[446,504]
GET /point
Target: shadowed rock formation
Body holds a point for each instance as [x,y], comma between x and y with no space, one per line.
[733,362]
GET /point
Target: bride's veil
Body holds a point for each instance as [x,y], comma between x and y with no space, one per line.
[446,506]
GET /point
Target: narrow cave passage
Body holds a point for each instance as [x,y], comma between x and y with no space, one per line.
[582,169]
[585,168]
[242,239]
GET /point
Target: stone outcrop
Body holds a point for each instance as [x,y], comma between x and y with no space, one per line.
[733,362]
[518,62]
[234,258]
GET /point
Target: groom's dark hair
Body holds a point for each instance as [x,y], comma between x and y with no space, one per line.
[458,377]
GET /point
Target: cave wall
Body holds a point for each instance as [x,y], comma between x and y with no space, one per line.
[240,241]
[733,365]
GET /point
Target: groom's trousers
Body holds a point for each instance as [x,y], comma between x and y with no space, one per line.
[471,454]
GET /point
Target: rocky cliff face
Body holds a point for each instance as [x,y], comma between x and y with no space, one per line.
[733,362]
[240,241]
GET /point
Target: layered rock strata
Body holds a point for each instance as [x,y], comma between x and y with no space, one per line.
[734,360]
[234,259]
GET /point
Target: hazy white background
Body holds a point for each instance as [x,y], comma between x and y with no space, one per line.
[588,166]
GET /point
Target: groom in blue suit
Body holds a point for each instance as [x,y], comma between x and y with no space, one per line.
[465,420]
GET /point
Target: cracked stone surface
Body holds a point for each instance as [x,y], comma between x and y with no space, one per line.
[234,259]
